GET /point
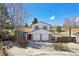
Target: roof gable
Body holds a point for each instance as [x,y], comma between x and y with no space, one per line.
[42,22]
[41,31]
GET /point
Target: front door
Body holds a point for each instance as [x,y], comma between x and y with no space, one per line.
[29,36]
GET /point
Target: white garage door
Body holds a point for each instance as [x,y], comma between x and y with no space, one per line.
[36,36]
[45,37]
[41,37]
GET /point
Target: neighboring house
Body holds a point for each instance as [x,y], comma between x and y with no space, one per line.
[38,32]
[77,37]
[75,33]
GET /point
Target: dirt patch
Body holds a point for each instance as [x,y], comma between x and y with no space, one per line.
[1,53]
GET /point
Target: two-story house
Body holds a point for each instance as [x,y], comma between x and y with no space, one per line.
[40,32]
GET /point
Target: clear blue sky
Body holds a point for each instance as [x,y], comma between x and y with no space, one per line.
[52,13]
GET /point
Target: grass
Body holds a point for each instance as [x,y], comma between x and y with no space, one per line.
[63,33]
[64,30]
[60,34]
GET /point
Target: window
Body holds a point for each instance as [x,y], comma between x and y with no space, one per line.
[24,34]
[36,27]
[45,27]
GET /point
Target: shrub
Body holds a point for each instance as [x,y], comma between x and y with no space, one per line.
[58,29]
[1,45]
[61,46]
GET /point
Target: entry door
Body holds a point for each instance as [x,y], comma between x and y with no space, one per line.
[29,36]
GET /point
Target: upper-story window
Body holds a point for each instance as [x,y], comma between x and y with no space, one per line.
[36,27]
[45,27]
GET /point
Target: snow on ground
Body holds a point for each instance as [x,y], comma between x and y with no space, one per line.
[73,46]
[15,51]
[39,48]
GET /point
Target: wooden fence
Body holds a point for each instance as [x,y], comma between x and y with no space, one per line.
[63,39]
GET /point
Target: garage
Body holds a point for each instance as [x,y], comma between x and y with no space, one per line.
[40,35]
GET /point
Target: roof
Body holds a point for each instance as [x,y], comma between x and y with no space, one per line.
[41,29]
[26,29]
[41,22]
[77,34]
[75,29]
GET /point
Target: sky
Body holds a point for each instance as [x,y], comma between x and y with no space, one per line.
[52,13]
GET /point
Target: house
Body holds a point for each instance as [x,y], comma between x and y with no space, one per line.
[38,32]
[75,33]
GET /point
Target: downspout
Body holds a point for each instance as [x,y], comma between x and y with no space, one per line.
[69,31]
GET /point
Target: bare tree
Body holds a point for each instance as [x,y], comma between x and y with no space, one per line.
[18,21]
[68,22]
[17,16]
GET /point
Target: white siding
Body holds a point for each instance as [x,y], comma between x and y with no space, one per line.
[41,33]
[72,34]
[40,25]
[77,37]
